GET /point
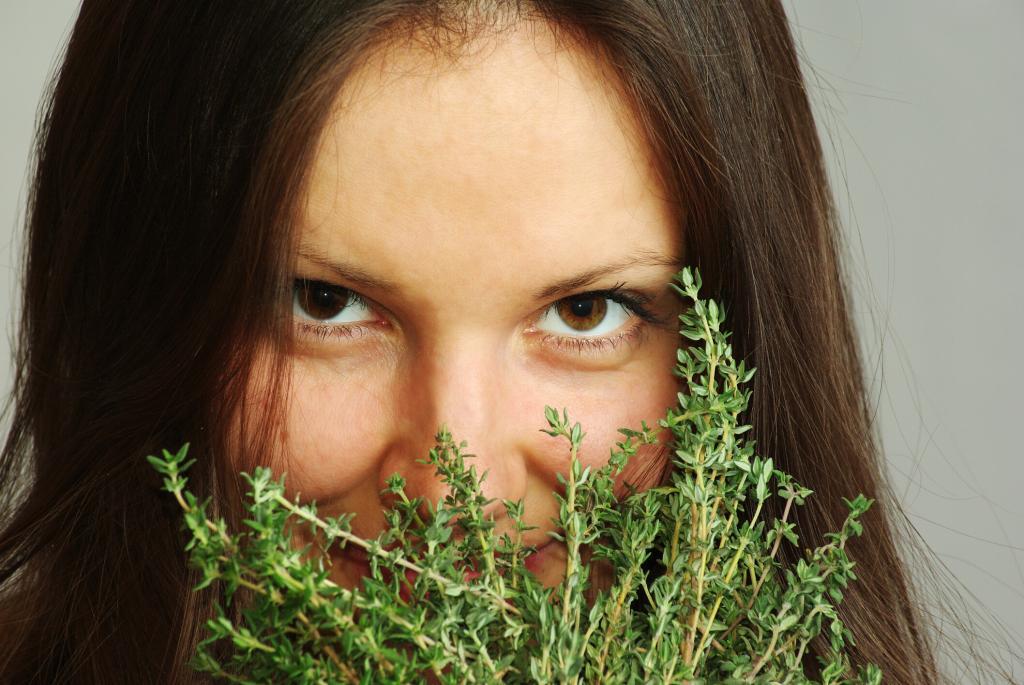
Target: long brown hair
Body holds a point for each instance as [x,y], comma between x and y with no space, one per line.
[169,159]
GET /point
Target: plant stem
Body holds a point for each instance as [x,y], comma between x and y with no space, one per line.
[372,548]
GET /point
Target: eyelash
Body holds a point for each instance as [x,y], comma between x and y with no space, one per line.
[634,303]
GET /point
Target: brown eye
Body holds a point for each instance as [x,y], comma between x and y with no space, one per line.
[587,315]
[321,301]
[582,313]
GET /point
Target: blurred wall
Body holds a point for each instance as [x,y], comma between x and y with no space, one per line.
[920,106]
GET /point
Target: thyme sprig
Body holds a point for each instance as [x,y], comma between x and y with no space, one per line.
[698,594]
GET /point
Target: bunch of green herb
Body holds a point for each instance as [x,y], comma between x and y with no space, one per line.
[720,607]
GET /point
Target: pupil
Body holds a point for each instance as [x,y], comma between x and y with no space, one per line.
[584,313]
[582,308]
[322,297]
[321,301]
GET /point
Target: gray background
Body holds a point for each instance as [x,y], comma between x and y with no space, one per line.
[919,105]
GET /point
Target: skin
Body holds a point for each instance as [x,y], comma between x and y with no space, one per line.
[469,189]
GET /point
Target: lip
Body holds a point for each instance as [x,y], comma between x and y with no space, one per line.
[360,556]
[359,559]
[356,554]
[536,561]
[361,567]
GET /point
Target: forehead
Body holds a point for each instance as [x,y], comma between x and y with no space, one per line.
[520,153]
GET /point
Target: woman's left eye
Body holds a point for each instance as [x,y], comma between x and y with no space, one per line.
[595,322]
[590,315]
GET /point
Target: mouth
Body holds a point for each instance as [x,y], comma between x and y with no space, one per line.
[539,558]
[359,560]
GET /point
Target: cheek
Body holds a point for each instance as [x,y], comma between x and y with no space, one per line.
[605,403]
[333,427]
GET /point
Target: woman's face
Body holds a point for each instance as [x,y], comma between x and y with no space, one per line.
[462,227]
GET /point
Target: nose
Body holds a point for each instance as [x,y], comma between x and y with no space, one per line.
[462,383]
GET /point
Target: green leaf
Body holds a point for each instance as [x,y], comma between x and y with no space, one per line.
[788,622]
[551,415]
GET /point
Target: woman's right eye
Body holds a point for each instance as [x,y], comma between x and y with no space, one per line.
[323,303]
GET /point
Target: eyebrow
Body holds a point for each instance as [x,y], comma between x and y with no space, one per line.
[361,278]
[348,272]
[642,258]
